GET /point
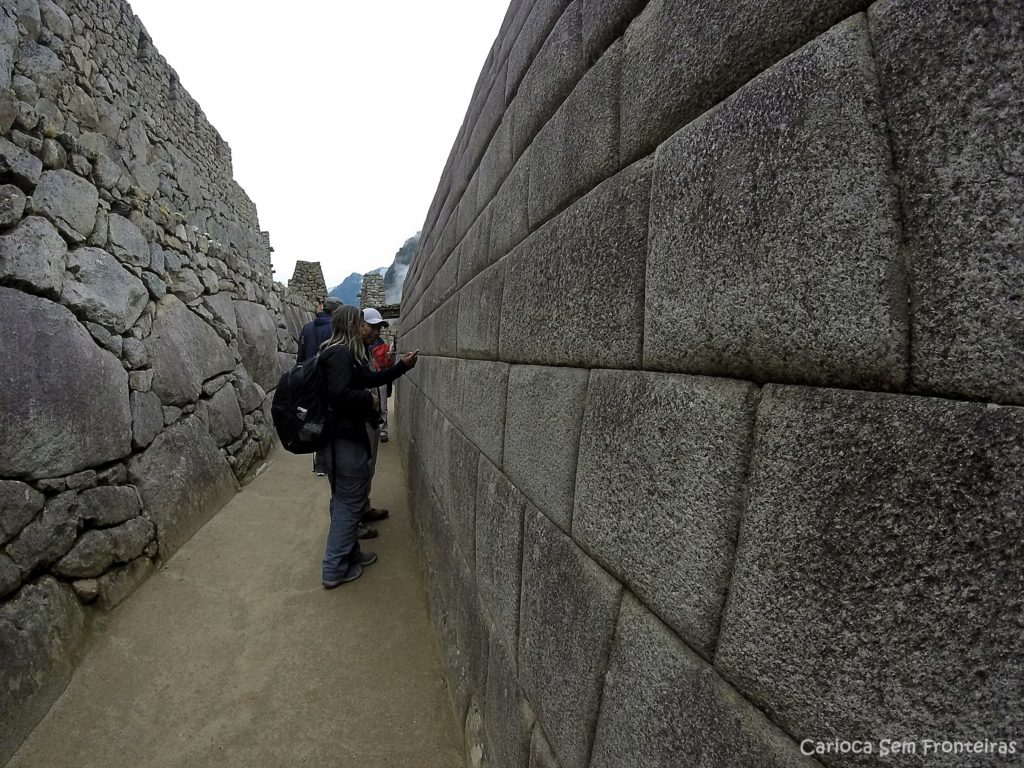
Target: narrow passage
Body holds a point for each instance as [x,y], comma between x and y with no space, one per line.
[234,655]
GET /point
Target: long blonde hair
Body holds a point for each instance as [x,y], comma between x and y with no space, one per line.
[347,329]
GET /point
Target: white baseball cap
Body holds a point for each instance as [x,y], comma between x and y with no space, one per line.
[372,316]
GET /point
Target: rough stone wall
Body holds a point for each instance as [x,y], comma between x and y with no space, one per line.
[308,282]
[372,292]
[142,331]
[717,442]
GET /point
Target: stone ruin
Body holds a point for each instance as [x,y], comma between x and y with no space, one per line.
[142,338]
[717,444]
[372,292]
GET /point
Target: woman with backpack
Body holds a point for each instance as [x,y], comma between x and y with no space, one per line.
[345,365]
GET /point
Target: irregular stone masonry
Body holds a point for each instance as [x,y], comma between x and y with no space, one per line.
[372,292]
[308,282]
[143,333]
[716,447]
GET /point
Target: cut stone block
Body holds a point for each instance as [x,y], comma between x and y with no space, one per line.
[102,291]
[661,701]
[499,549]
[773,244]
[33,256]
[477,404]
[41,632]
[597,288]
[542,430]
[52,429]
[604,21]
[19,503]
[947,72]
[542,17]
[257,341]
[662,462]
[480,314]
[877,588]
[67,200]
[569,605]
[474,251]
[184,480]
[682,58]
[579,145]
[508,718]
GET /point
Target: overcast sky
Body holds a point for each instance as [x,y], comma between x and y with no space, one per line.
[340,116]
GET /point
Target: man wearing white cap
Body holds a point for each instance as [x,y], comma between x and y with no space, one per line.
[380,357]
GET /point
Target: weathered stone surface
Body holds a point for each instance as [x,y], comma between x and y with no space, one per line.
[479,318]
[91,555]
[10,576]
[665,526]
[103,291]
[956,125]
[508,718]
[476,405]
[29,17]
[147,418]
[542,429]
[257,340]
[681,58]
[552,75]
[115,586]
[81,480]
[541,755]
[67,200]
[33,256]
[19,503]
[48,537]
[499,548]
[604,21]
[41,632]
[509,223]
[773,252]
[877,586]
[184,480]
[59,429]
[134,353]
[569,607]
[12,205]
[568,264]
[186,285]
[127,242]
[130,538]
[222,415]
[222,307]
[55,19]
[542,17]
[109,505]
[662,701]
[140,381]
[579,145]
[109,341]
[250,394]
[184,352]
[21,165]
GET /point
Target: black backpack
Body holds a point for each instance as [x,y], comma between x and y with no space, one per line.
[299,409]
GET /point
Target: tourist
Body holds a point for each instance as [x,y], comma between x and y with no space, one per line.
[314,334]
[348,376]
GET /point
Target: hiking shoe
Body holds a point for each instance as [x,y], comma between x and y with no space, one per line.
[366,532]
[321,474]
[353,573]
[367,558]
[375,515]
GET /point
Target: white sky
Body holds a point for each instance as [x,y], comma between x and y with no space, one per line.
[340,115]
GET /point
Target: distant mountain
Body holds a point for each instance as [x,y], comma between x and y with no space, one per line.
[394,279]
[350,287]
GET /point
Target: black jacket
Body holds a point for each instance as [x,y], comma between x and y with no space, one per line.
[314,333]
[349,402]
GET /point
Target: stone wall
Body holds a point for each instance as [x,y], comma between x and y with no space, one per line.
[717,442]
[142,331]
[372,292]
[308,282]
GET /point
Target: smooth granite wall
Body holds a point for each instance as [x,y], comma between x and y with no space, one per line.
[142,331]
[716,449]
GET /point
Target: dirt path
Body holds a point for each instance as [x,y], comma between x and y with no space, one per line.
[234,655]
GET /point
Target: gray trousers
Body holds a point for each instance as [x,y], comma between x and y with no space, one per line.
[350,472]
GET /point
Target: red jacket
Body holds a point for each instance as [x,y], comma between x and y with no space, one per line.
[381,354]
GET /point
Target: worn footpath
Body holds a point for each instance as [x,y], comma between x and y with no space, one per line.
[233,654]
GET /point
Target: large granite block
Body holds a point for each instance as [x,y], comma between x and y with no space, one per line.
[957,125]
[490,117]
[573,290]
[496,162]
[569,605]
[499,549]
[604,21]
[42,629]
[877,588]
[477,404]
[472,638]
[662,702]
[509,214]
[474,252]
[683,57]
[543,16]
[519,11]
[542,430]
[64,400]
[184,480]
[559,65]
[439,330]
[659,490]
[508,719]
[480,313]
[541,755]
[456,487]
[468,208]
[579,145]
[774,242]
